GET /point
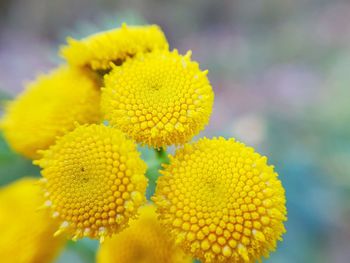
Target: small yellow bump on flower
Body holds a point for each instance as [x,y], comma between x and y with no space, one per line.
[101,50]
[227,251]
[242,250]
[95,181]
[143,241]
[50,107]
[224,198]
[156,86]
[26,233]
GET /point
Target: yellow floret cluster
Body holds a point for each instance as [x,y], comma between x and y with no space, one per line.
[94,181]
[217,200]
[159,99]
[50,107]
[99,50]
[26,233]
[145,240]
[221,201]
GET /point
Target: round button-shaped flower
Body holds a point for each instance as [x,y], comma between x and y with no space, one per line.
[49,107]
[99,50]
[221,201]
[159,99]
[94,180]
[26,232]
[143,241]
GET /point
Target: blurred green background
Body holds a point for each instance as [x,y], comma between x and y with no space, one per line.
[281,75]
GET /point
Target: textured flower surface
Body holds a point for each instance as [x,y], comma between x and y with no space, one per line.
[49,107]
[144,241]
[99,50]
[222,201]
[94,181]
[26,232]
[160,98]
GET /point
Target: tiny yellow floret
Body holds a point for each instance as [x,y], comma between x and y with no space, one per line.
[49,107]
[159,99]
[94,180]
[98,51]
[26,232]
[143,241]
[222,201]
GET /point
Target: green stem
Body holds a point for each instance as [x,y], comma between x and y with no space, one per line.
[85,248]
[153,171]
[161,153]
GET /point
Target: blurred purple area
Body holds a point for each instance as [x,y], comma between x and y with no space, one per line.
[281,76]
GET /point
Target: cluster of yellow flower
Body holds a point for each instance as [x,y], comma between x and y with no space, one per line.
[217,199]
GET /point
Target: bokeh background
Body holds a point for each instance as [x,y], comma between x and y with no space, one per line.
[281,75]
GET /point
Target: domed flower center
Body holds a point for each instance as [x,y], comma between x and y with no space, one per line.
[221,201]
[95,180]
[159,99]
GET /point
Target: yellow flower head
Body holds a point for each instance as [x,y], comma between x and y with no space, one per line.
[160,98]
[222,201]
[143,241]
[94,181]
[26,232]
[99,50]
[49,107]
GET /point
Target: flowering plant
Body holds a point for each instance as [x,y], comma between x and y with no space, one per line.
[217,200]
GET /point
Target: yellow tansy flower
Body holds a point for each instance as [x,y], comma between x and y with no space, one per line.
[99,50]
[26,232]
[222,201]
[94,181]
[160,98]
[143,241]
[49,107]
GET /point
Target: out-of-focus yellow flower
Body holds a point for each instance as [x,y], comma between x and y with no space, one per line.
[160,98]
[222,201]
[99,50]
[49,107]
[143,241]
[26,232]
[94,180]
